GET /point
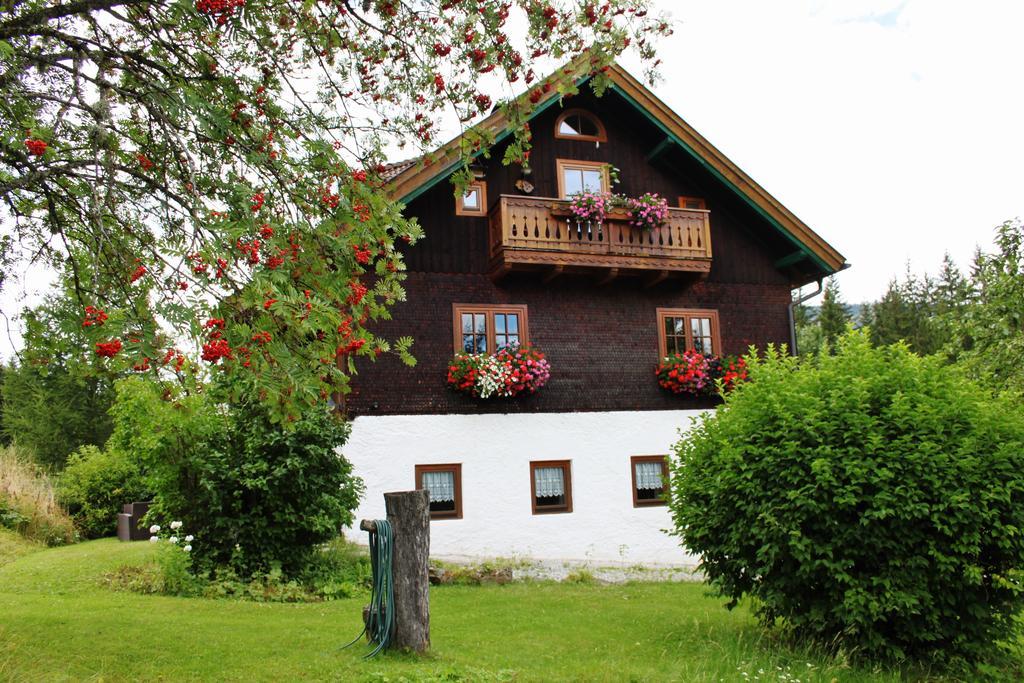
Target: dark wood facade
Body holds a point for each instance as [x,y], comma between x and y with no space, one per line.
[600,333]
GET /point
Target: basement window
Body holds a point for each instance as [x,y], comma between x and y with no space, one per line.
[649,472]
[550,486]
[444,483]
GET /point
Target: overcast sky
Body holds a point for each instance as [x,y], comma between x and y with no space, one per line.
[894,129]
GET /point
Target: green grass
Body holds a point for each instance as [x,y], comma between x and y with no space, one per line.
[59,623]
[13,546]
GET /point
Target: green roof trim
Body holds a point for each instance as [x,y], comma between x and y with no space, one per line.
[670,137]
[448,170]
[750,202]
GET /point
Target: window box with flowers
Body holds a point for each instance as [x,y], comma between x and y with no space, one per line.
[647,212]
[511,371]
[697,374]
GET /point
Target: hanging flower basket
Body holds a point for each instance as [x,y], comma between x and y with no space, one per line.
[647,212]
[590,207]
[696,374]
[509,372]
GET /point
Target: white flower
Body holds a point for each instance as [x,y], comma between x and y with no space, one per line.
[188,539]
[173,539]
[154,539]
[155,528]
[187,549]
[175,526]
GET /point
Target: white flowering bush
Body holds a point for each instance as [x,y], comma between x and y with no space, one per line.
[174,557]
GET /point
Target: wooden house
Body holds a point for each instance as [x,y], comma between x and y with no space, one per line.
[574,470]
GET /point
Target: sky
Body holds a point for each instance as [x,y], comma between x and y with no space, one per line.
[893,128]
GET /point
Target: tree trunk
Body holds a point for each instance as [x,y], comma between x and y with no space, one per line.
[409,514]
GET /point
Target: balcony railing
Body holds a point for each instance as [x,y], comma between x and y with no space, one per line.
[527,232]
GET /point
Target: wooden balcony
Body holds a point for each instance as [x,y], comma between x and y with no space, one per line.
[537,233]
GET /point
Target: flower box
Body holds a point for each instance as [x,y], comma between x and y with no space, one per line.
[509,372]
[697,374]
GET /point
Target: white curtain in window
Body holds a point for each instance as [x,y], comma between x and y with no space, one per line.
[548,481]
[441,486]
[648,475]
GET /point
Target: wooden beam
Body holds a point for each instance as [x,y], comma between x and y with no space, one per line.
[656,278]
[500,272]
[609,275]
[553,273]
[659,149]
[791,259]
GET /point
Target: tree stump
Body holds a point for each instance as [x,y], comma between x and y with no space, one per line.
[409,514]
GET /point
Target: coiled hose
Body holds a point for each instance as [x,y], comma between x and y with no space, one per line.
[379,623]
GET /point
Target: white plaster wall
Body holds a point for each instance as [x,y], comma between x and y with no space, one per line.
[495,452]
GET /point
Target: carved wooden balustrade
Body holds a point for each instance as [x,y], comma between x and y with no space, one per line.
[532,232]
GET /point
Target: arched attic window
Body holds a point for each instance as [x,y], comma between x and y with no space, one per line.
[577,124]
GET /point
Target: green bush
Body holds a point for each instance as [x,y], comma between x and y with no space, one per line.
[258,496]
[873,499]
[96,484]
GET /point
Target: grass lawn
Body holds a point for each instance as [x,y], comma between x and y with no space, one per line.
[57,622]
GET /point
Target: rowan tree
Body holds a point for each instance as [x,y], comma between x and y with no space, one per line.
[210,172]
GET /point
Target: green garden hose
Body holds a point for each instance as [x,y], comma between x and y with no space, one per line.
[380,620]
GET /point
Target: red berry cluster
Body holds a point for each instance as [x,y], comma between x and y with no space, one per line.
[221,10]
[108,349]
[362,253]
[216,349]
[357,290]
[257,202]
[36,147]
[145,162]
[138,273]
[261,337]
[94,317]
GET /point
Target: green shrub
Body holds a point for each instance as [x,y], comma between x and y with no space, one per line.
[872,499]
[51,411]
[96,484]
[258,496]
[27,501]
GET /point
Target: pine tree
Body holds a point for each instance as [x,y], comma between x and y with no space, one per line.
[834,314]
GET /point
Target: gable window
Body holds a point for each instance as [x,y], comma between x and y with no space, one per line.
[692,203]
[550,486]
[650,472]
[474,201]
[685,329]
[444,483]
[575,177]
[486,328]
[577,124]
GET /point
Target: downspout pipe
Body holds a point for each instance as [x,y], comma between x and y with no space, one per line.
[792,317]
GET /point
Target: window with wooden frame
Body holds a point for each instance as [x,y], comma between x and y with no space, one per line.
[485,328]
[685,329]
[444,484]
[575,177]
[577,124]
[649,474]
[474,201]
[692,203]
[550,486]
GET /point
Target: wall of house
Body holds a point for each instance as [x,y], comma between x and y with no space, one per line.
[495,452]
[602,341]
